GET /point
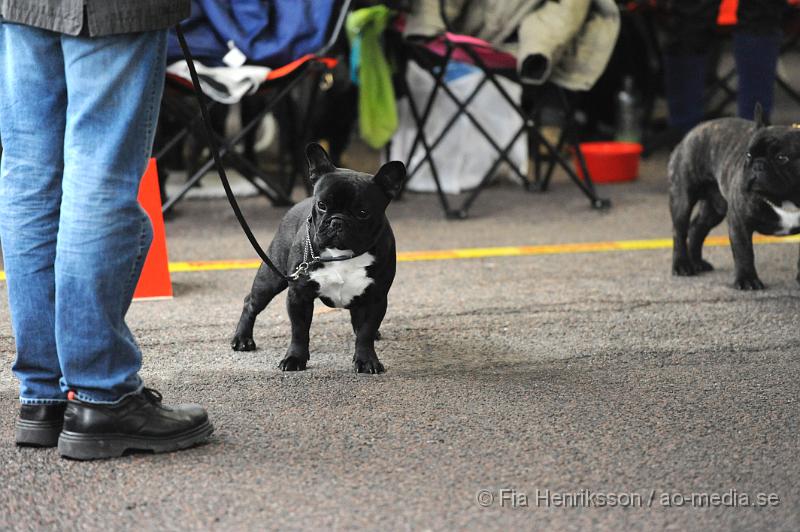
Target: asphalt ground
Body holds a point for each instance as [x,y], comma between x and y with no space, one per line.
[584,374]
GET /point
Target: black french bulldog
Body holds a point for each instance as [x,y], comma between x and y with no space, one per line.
[744,169]
[338,246]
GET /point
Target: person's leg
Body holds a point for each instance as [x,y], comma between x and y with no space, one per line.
[114,87]
[756,44]
[33,104]
[690,29]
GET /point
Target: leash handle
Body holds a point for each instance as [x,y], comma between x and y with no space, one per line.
[212,146]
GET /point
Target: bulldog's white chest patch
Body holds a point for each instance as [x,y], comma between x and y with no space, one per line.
[341,281]
[789,215]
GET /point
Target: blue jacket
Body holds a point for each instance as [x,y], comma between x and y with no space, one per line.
[269,32]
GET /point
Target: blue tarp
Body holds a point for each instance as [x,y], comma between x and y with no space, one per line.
[269,32]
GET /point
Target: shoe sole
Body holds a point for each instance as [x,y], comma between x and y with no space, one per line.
[38,433]
[80,446]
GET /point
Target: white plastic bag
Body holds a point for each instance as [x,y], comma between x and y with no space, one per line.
[464,155]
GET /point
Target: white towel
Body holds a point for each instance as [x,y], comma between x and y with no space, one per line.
[226,85]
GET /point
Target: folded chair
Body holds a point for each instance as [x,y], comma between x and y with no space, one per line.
[273,88]
[434,56]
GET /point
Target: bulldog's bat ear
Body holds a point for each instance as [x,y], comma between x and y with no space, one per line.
[390,178]
[758,116]
[319,163]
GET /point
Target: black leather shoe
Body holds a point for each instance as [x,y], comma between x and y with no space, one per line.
[137,423]
[40,425]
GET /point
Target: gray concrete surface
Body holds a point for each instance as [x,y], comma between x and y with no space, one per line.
[595,372]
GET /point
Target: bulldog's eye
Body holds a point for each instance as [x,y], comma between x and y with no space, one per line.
[362,214]
[322,206]
[781,158]
[748,156]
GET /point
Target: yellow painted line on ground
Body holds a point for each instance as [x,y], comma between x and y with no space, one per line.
[214,265]
[506,251]
[483,253]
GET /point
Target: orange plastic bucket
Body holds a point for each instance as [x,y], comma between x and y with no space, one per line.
[611,162]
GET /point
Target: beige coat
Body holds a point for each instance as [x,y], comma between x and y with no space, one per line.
[568,42]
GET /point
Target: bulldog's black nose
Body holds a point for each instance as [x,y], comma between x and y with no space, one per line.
[336,223]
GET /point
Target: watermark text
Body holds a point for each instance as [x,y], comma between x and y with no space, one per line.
[586,498]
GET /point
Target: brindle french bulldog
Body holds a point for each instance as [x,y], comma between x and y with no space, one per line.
[744,169]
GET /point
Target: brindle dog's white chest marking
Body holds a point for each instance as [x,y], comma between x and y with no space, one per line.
[789,215]
[343,280]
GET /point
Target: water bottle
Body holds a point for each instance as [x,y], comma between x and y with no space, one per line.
[628,128]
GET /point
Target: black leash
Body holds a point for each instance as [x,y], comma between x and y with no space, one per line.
[212,146]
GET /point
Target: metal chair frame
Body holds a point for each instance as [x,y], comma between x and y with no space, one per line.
[544,155]
[275,91]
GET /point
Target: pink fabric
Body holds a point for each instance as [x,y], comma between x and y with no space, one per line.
[493,58]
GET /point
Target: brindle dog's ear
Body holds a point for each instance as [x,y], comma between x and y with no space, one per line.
[390,178]
[758,116]
[319,163]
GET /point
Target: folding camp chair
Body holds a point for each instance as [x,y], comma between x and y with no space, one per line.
[434,56]
[274,89]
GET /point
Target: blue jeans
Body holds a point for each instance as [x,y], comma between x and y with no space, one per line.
[77,121]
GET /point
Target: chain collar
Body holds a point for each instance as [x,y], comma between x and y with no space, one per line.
[310,258]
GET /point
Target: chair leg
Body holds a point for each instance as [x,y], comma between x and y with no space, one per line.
[260,179]
[251,171]
[586,184]
[534,157]
[428,149]
[420,138]
[728,94]
[533,117]
[225,151]
[465,207]
[190,182]
[544,182]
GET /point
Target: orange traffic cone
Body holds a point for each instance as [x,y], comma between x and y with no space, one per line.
[155,282]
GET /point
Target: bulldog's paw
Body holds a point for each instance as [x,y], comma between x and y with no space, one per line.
[368,365]
[748,283]
[701,266]
[294,361]
[243,342]
[683,268]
